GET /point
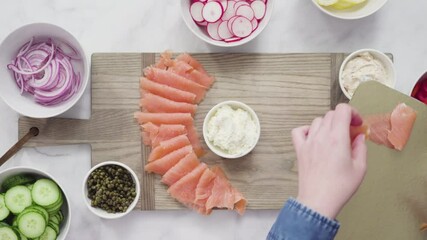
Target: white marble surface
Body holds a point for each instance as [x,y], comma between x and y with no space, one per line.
[156,25]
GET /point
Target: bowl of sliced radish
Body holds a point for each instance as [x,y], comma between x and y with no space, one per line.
[33,205]
[226,23]
[43,70]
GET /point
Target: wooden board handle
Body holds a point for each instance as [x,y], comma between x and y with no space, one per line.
[15,148]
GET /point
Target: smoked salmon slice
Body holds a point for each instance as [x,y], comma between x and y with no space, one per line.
[168,146]
[204,187]
[392,130]
[223,194]
[184,190]
[168,131]
[162,165]
[166,91]
[184,69]
[156,104]
[151,131]
[176,81]
[193,136]
[192,62]
[182,168]
[402,120]
[163,118]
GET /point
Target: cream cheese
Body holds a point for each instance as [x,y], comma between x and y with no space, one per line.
[233,131]
[361,69]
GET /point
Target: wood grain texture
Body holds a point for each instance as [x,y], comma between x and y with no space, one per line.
[285,90]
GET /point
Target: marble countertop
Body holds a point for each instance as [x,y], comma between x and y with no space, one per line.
[156,25]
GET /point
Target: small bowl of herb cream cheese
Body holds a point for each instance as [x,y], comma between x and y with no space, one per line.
[365,65]
[231,129]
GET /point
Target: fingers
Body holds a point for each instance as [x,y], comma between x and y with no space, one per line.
[315,126]
[359,152]
[345,115]
[327,120]
[299,136]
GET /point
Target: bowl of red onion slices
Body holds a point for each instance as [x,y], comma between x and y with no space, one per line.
[43,70]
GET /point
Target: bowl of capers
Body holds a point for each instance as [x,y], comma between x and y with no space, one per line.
[111,190]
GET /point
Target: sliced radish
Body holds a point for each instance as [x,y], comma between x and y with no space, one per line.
[259,9]
[254,24]
[196,11]
[233,39]
[224,3]
[212,29]
[231,22]
[223,31]
[241,3]
[204,23]
[212,11]
[245,11]
[241,27]
[229,11]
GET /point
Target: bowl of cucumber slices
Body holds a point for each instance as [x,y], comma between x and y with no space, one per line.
[32,205]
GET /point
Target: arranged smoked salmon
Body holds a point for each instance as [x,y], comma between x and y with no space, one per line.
[392,130]
[170,90]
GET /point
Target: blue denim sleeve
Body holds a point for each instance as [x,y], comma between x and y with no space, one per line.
[298,222]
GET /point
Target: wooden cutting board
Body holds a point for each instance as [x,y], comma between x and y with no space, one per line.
[286,91]
[392,200]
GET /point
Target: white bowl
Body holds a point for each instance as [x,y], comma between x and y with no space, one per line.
[385,60]
[357,12]
[66,209]
[10,92]
[100,212]
[234,105]
[201,32]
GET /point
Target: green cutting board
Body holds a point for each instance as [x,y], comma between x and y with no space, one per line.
[391,203]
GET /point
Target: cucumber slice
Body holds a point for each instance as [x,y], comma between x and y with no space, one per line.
[38,209]
[17,199]
[45,192]
[31,224]
[55,219]
[16,180]
[22,236]
[54,226]
[61,216]
[4,211]
[48,234]
[7,233]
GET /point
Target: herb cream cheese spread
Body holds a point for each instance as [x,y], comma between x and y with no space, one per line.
[233,131]
[363,68]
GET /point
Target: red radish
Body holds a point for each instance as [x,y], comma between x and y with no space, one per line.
[230,11]
[213,30]
[223,31]
[241,3]
[231,22]
[212,11]
[196,11]
[254,24]
[234,39]
[259,9]
[245,11]
[204,23]
[241,27]
[224,3]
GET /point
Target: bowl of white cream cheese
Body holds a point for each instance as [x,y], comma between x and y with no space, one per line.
[231,129]
[366,65]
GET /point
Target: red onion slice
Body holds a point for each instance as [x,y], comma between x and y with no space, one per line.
[45,70]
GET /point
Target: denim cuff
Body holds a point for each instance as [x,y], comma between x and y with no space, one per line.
[298,222]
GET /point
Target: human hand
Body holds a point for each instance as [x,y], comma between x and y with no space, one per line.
[330,166]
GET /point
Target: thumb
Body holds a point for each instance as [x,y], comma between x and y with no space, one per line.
[359,151]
